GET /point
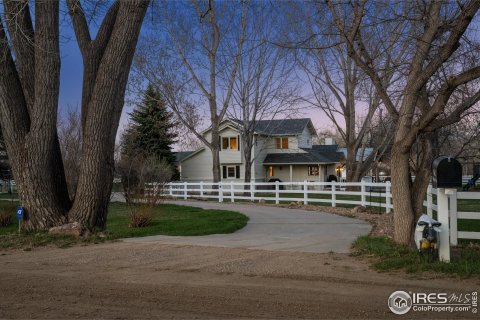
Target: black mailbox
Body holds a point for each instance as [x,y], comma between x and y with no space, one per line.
[446,173]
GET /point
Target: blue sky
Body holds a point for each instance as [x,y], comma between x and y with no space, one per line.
[72,73]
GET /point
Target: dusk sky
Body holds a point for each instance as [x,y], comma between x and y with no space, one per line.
[72,73]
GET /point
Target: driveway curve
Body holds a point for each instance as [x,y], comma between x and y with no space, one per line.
[275,228]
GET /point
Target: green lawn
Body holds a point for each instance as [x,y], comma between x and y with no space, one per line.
[390,256]
[168,219]
[8,196]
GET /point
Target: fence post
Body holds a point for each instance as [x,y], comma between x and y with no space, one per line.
[429,201]
[363,195]
[201,189]
[170,189]
[185,192]
[388,197]
[334,196]
[252,191]
[220,192]
[277,192]
[453,217]
[305,192]
[442,213]
[232,192]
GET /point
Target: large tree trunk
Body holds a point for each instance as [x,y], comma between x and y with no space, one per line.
[103,115]
[403,216]
[27,118]
[215,149]
[423,174]
[29,89]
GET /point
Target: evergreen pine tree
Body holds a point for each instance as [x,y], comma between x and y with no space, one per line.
[150,130]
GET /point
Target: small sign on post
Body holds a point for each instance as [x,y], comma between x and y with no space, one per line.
[19,214]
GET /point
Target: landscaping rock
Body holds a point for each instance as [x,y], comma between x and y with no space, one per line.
[359,209]
[261,201]
[71,229]
[299,203]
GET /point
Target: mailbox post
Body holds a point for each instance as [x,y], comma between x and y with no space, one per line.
[446,177]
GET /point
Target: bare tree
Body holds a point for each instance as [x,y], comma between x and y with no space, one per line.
[265,87]
[200,64]
[70,138]
[441,61]
[339,88]
[29,90]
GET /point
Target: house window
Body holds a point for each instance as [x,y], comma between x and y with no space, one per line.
[230,143]
[313,170]
[231,172]
[270,171]
[282,143]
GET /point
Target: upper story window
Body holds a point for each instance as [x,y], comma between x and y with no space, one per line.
[230,143]
[282,142]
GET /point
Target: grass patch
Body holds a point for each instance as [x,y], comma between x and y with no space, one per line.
[175,220]
[8,196]
[167,219]
[391,256]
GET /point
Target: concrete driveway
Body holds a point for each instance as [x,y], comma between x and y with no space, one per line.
[274,228]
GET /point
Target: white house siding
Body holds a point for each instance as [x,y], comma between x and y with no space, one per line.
[259,153]
[198,167]
[299,173]
[270,145]
[305,139]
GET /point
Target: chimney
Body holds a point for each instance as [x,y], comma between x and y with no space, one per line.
[330,141]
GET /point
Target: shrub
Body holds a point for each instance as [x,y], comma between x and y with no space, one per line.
[140,216]
[7,211]
[6,217]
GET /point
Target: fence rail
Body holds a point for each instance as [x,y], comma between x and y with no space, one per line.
[454,213]
[333,193]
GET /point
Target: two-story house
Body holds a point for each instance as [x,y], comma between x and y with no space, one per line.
[282,149]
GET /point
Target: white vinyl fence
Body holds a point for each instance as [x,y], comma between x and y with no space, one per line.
[456,200]
[332,193]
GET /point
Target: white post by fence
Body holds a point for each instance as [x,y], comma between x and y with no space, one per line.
[364,194]
[388,197]
[252,191]
[429,202]
[277,192]
[442,216]
[201,189]
[305,192]
[170,190]
[185,191]
[334,196]
[232,192]
[453,217]
[220,192]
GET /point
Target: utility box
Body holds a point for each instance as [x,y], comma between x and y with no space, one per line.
[446,173]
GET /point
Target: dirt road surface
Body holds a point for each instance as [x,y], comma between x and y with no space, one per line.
[155,281]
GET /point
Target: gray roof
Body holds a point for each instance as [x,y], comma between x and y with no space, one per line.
[179,156]
[280,127]
[315,155]
[366,153]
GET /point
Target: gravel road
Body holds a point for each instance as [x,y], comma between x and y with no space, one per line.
[156,281]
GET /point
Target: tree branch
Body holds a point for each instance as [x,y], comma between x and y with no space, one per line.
[80,26]
[20,27]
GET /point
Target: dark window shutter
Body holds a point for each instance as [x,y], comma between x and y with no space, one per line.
[220,142]
[237,172]
[224,172]
[238,143]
